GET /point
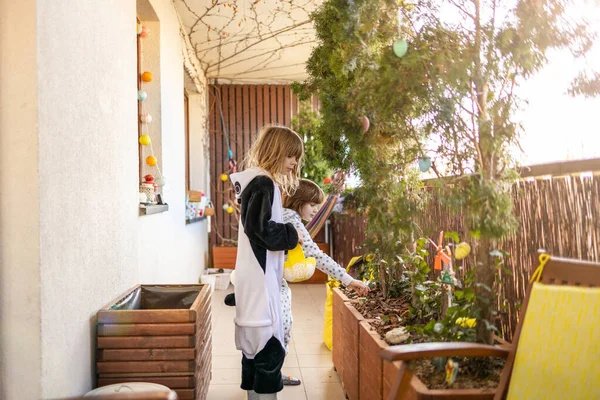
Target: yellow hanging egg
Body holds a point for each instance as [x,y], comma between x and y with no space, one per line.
[462,250]
[144,140]
[229,210]
[147,76]
[224,177]
[151,161]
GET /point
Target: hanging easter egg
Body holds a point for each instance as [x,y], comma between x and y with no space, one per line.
[462,250]
[225,207]
[142,95]
[327,181]
[147,76]
[139,28]
[224,177]
[400,48]
[162,181]
[144,140]
[365,123]
[230,154]
[151,161]
[145,31]
[229,210]
[146,118]
[424,164]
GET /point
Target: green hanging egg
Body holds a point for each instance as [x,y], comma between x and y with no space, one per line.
[400,48]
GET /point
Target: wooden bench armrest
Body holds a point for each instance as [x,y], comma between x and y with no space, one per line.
[409,352]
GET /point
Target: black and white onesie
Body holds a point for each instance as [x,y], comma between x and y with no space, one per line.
[262,240]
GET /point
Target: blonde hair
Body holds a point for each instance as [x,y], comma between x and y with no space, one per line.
[307,192]
[273,145]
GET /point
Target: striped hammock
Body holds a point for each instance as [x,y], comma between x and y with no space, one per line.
[314,226]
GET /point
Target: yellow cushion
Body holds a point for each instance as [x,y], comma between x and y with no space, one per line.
[296,268]
[558,355]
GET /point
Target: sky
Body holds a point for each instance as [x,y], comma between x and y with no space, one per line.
[557,126]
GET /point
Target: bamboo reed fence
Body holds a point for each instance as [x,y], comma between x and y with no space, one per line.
[558,208]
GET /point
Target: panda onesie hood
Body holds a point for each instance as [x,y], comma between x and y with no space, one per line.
[262,240]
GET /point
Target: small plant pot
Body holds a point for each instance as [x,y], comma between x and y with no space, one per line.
[224,257]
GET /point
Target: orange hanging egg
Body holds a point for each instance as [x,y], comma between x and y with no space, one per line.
[151,161]
[147,76]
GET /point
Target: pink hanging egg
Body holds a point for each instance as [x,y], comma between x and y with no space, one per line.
[365,123]
[145,31]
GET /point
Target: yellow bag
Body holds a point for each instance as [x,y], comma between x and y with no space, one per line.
[328,324]
[296,268]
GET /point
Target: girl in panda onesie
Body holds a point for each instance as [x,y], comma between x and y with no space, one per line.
[274,161]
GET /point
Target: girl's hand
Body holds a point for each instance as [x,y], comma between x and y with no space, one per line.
[359,287]
[300,237]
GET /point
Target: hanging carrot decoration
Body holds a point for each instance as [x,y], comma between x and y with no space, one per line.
[443,256]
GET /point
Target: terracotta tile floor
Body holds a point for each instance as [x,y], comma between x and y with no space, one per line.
[308,358]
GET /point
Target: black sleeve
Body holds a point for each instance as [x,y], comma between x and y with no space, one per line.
[257,202]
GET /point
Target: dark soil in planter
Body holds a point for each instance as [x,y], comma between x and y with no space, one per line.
[386,314]
[467,378]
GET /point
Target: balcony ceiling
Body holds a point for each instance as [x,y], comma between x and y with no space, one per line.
[250,41]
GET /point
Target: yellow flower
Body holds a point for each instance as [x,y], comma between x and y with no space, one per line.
[369,258]
[466,322]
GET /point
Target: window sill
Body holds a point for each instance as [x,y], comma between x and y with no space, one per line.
[148,209]
[194,220]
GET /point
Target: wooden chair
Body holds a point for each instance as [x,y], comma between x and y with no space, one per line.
[556,346]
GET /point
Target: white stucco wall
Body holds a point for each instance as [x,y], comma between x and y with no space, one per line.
[71,238]
[20,363]
[88,178]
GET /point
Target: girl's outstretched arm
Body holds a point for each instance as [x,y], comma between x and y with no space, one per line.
[324,263]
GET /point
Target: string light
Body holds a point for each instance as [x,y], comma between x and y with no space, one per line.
[146,119]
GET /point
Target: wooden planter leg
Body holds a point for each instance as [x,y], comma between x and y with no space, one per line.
[402,383]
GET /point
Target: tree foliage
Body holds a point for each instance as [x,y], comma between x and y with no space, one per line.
[315,165]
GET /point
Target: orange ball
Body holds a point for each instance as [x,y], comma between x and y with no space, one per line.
[151,161]
[147,76]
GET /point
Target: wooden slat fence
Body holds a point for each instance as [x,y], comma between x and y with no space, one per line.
[237,112]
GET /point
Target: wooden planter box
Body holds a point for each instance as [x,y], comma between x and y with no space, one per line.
[159,334]
[337,350]
[371,365]
[224,256]
[356,349]
[346,331]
